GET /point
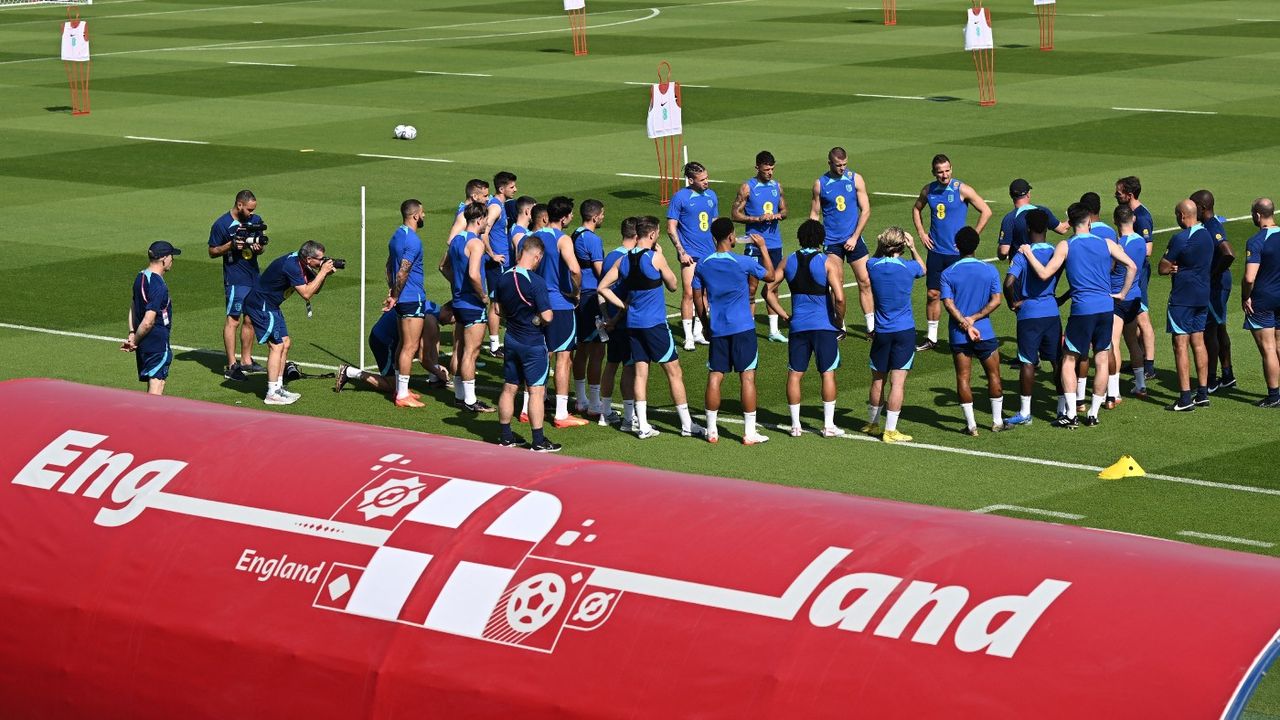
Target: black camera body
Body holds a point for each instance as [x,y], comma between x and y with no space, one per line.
[338,263]
[250,233]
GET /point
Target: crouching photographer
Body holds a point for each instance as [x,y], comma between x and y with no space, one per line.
[303,272]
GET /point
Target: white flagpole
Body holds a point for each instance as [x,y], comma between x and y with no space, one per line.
[362,279]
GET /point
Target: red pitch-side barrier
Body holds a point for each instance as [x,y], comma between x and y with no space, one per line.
[166,558]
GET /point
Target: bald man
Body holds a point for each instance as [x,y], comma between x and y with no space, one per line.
[1188,260]
[1260,290]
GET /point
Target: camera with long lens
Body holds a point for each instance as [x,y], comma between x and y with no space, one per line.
[338,263]
[251,233]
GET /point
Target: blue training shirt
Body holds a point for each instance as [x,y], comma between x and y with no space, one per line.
[838,198]
[523,297]
[618,288]
[970,283]
[693,212]
[1192,251]
[763,199]
[891,282]
[724,279]
[1103,231]
[405,245]
[499,238]
[1039,297]
[1263,250]
[151,293]
[464,294]
[947,214]
[238,268]
[1088,270]
[283,274]
[1143,223]
[1013,228]
[1217,230]
[552,268]
[646,300]
[589,249]
[1136,248]
[811,305]
[386,332]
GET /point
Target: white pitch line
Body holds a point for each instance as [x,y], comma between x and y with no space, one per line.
[901,195]
[656,177]
[166,140]
[402,157]
[683,85]
[1225,539]
[1171,229]
[1030,511]
[1255,20]
[245,62]
[459,74]
[1080,15]
[1162,110]
[891,97]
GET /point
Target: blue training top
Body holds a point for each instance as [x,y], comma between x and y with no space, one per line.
[838,198]
[523,296]
[1088,270]
[1192,251]
[724,279]
[693,212]
[891,283]
[1039,297]
[764,199]
[970,283]
[811,305]
[405,245]
[947,214]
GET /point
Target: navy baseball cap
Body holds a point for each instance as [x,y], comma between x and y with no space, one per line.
[160,248]
[1019,187]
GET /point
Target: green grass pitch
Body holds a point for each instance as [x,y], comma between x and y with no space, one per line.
[326,80]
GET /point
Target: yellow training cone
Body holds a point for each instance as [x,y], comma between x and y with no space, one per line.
[1124,467]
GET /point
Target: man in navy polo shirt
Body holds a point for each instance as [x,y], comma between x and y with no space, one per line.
[1189,259]
[239,275]
[1260,289]
[522,295]
[150,316]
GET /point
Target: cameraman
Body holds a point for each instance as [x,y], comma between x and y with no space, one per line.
[303,272]
[239,275]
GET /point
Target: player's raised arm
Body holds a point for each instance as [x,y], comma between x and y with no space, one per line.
[918,220]
[1045,271]
[972,197]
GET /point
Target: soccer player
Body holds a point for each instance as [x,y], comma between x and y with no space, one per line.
[970,292]
[817,309]
[588,248]
[303,272]
[618,340]
[644,273]
[406,294]
[1217,342]
[384,341]
[1128,190]
[523,296]
[475,191]
[1093,202]
[463,266]
[1127,311]
[689,219]
[1039,324]
[239,275]
[948,201]
[498,242]
[521,218]
[725,307]
[893,348]
[563,277]
[150,316]
[840,200]
[760,205]
[1088,260]
[1260,293]
[1188,259]
[1013,227]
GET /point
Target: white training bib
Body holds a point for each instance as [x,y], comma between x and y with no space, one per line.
[977,31]
[75,43]
[1044,2]
[664,111]
[575,5]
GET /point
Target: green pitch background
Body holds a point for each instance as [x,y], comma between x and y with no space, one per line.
[81,201]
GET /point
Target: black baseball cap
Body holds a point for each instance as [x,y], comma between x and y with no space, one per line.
[160,248]
[1019,187]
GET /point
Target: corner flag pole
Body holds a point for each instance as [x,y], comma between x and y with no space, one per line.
[890,12]
[362,278]
[1046,10]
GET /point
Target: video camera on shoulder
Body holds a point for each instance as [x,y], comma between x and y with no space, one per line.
[251,233]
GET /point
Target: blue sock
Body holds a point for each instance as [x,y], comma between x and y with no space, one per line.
[1273,392]
[538,437]
[1202,392]
[1184,398]
[1227,374]
[1149,369]
[505,429]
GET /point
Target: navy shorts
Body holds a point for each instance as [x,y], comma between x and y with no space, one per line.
[1127,310]
[492,271]
[653,344]
[739,352]
[525,364]
[1218,297]
[235,295]
[1089,331]
[268,324]
[981,349]
[893,351]
[619,346]
[415,309]
[588,311]
[469,316]
[1186,320]
[822,345]
[1260,320]
[934,265]
[1039,339]
[858,252]
[562,333]
[775,254]
[154,364]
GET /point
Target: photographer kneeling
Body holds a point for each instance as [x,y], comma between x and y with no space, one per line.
[303,272]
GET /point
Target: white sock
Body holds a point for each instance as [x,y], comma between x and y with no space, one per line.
[711,421]
[353,372]
[795,414]
[402,386]
[871,321]
[997,411]
[1082,385]
[524,409]
[968,415]
[1026,405]
[688,329]
[1070,402]
[891,420]
[274,387]
[605,405]
[828,413]
[593,399]
[493,343]
[628,412]
[580,393]
[697,327]
[642,412]
[749,421]
[933,331]
[1113,385]
[562,407]
[873,413]
[1139,379]
[686,422]
[469,391]
[1096,405]
[773,325]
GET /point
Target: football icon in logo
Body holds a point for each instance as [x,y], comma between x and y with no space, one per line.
[534,602]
